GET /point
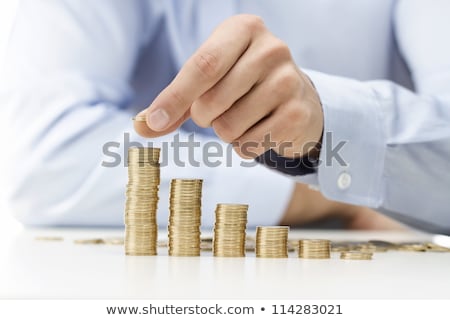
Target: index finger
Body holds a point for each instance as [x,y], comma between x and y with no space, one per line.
[201,72]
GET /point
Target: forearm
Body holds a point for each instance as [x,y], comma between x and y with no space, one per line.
[310,206]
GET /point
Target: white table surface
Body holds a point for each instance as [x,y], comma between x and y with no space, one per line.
[39,269]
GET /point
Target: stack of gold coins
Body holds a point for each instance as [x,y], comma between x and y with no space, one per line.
[229,230]
[356,255]
[271,242]
[185,217]
[141,230]
[314,249]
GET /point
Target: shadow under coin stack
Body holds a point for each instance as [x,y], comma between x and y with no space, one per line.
[185,217]
[141,229]
[271,242]
[314,249]
[229,230]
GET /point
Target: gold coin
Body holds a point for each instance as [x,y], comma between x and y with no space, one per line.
[412,246]
[432,247]
[140,118]
[46,238]
[143,157]
[356,255]
[114,241]
[89,241]
[141,231]
[271,242]
[229,230]
[314,249]
[185,217]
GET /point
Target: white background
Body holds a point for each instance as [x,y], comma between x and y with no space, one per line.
[368,309]
[351,309]
[7,12]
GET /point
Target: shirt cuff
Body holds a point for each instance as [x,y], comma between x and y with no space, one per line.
[352,156]
[293,167]
[304,170]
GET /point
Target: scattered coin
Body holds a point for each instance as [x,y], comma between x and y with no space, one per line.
[371,246]
[408,246]
[356,255]
[383,245]
[89,241]
[114,241]
[44,238]
[432,247]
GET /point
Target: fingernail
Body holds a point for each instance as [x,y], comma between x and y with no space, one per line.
[158,120]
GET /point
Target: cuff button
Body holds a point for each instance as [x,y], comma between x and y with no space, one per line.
[344,181]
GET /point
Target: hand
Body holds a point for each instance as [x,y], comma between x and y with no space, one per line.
[244,83]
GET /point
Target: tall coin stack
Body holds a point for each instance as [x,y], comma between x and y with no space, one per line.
[314,249]
[271,242]
[141,230]
[229,230]
[185,217]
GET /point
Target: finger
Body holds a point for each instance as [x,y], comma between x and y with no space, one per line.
[142,128]
[265,135]
[244,114]
[233,86]
[253,107]
[202,71]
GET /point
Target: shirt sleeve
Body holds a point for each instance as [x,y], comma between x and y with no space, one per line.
[65,102]
[387,147]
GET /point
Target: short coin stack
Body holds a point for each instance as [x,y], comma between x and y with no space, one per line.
[229,230]
[141,230]
[356,255]
[271,242]
[314,249]
[185,217]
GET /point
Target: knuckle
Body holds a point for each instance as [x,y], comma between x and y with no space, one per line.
[198,115]
[224,130]
[278,50]
[297,114]
[252,23]
[207,64]
[210,101]
[176,96]
[206,108]
[306,115]
[286,83]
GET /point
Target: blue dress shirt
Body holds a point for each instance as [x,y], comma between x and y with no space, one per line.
[77,71]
